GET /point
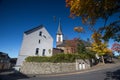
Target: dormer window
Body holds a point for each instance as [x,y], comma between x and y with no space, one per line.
[40,33]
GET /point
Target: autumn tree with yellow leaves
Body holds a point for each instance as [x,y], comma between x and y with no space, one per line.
[90,11]
[99,46]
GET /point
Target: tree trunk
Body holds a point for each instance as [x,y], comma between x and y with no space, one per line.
[103,60]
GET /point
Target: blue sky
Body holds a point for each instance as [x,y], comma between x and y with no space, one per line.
[17,16]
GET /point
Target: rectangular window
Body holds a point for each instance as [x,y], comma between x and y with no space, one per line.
[43,53]
[40,33]
[44,36]
[49,51]
[59,39]
[39,41]
[37,51]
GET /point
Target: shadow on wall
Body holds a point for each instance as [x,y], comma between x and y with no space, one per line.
[113,75]
[12,75]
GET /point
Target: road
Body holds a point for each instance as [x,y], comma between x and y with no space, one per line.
[111,73]
[104,74]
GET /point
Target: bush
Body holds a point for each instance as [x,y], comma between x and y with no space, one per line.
[37,59]
[63,58]
[58,58]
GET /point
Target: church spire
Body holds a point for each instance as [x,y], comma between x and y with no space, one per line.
[59,36]
[59,31]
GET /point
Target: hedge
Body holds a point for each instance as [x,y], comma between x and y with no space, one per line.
[37,59]
[58,58]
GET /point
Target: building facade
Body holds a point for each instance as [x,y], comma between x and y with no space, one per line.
[4,61]
[68,46]
[36,42]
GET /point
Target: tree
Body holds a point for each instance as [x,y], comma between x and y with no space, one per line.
[81,49]
[99,46]
[112,31]
[116,47]
[92,10]
[80,44]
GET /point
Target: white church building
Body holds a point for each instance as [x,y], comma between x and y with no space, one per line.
[36,42]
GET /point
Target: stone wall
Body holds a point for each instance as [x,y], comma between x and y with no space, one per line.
[47,68]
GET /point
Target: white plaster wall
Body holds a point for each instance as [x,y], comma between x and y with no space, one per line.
[31,42]
[61,38]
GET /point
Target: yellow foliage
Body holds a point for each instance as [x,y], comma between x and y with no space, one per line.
[96,35]
[98,46]
[91,8]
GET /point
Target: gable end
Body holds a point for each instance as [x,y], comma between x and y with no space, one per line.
[33,30]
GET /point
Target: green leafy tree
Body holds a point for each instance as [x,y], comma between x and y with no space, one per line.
[84,50]
[81,49]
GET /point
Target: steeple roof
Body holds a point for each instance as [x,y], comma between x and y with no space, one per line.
[59,31]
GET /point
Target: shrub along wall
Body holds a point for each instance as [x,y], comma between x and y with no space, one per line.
[69,58]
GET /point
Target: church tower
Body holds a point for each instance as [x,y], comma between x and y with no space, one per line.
[59,36]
